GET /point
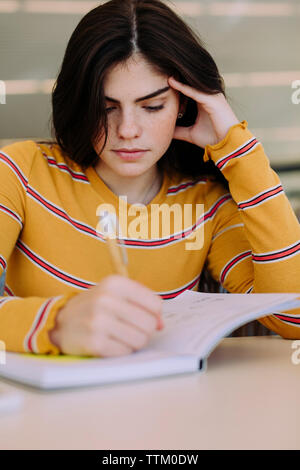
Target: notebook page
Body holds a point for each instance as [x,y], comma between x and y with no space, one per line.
[195,321]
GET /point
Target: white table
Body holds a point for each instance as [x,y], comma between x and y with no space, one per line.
[248,398]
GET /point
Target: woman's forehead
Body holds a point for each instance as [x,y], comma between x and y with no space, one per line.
[137,81]
[134,69]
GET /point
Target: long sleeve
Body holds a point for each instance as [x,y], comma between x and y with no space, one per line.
[255,245]
[24,322]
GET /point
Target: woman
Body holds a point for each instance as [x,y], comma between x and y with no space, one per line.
[140,115]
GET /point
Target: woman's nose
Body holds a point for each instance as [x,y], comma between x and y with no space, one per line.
[129,127]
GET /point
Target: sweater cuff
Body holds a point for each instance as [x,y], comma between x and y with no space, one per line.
[235,137]
[44,344]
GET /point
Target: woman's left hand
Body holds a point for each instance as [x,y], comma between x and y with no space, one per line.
[214,119]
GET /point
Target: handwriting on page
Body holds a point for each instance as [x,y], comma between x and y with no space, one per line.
[196,321]
[190,311]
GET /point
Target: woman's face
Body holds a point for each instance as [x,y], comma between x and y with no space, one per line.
[132,123]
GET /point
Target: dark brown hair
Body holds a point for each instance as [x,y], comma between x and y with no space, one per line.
[110,34]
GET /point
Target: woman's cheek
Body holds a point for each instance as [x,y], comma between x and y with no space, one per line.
[166,126]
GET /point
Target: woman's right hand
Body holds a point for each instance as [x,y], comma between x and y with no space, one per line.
[114,318]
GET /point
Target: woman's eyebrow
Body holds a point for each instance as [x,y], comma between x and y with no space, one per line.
[147,97]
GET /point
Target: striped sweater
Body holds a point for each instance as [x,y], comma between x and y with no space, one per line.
[52,249]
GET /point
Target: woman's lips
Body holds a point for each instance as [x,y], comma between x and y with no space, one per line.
[130,155]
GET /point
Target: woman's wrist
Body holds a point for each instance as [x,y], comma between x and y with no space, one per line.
[54,332]
[53,336]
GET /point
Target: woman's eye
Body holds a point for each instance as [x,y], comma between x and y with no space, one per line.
[149,108]
[155,108]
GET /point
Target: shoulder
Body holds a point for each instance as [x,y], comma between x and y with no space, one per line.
[54,157]
[19,156]
[24,155]
[16,160]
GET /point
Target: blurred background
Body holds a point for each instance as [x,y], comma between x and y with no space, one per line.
[256,45]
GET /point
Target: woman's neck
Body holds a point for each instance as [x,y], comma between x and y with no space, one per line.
[138,189]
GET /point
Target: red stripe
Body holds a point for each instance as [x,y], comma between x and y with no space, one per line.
[23,180]
[261,198]
[232,263]
[237,153]
[182,234]
[49,268]
[29,343]
[290,319]
[282,254]
[184,185]
[63,166]
[6,209]
[61,214]
[8,291]
[175,294]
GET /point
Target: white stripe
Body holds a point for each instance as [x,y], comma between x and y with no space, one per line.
[70,172]
[57,278]
[237,149]
[179,235]
[236,157]
[12,169]
[7,287]
[7,299]
[269,198]
[15,219]
[67,220]
[185,286]
[226,229]
[234,265]
[58,165]
[43,322]
[184,189]
[297,325]
[278,260]
[4,260]
[33,325]
[246,201]
[267,253]
[293,315]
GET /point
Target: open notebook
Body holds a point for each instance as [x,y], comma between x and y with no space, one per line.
[195,323]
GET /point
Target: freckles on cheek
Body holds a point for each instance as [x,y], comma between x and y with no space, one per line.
[165,128]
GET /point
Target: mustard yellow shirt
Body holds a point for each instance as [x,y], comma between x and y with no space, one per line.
[52,249]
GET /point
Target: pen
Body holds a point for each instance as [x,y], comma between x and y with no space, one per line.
[110,226]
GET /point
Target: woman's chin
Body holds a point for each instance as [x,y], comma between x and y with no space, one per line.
[131,169]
